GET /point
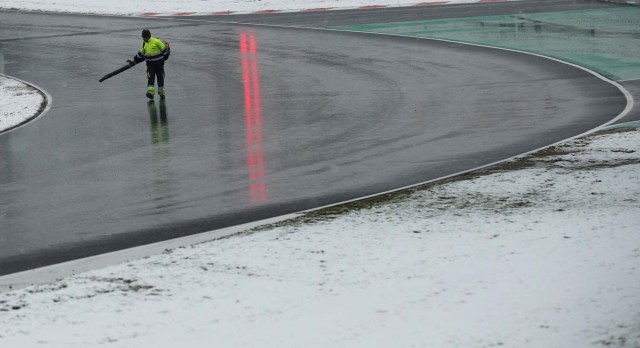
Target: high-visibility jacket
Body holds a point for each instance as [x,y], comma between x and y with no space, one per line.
[152,51]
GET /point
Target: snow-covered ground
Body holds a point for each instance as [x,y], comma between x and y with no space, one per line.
[20,102]
[127,7]
[543,251]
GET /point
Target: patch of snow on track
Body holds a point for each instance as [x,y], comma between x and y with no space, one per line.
[191,7]
[20,103]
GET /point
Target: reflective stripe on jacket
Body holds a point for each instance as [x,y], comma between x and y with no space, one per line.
[152,51]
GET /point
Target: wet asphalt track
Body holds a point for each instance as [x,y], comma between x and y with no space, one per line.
[259,121]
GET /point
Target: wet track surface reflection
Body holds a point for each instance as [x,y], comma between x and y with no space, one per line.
[258,122]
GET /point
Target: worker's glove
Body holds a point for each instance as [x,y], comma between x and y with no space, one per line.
[130,62]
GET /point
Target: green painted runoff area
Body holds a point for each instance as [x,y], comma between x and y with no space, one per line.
[606,41]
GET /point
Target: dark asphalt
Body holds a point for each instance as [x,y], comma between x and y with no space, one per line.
[258,122]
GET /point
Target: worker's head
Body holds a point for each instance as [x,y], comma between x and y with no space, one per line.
[146,35]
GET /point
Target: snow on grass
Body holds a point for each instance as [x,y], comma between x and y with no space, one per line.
[20,103]
[126,7]
[540,252]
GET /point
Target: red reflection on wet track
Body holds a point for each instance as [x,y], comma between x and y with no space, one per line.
[253,118]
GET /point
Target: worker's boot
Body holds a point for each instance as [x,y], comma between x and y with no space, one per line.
[150,92]
[161,92]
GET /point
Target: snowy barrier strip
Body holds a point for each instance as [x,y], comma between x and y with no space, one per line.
[322,9]
[624,2]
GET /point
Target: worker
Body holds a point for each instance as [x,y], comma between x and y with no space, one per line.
[154,51]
